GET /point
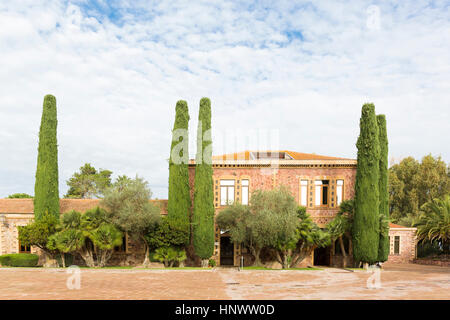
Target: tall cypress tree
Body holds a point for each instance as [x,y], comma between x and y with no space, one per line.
[203,215]
[46,190]
[366,222]
[179,204]
[383,250]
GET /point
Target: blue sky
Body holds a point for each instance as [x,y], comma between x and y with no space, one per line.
[295,71]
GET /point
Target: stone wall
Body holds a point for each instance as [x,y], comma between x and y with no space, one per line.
[408,245]
[9,232]
[432,262]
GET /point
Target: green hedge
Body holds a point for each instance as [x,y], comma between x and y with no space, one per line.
[19,260]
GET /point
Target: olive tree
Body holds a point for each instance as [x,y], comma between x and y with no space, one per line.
[129,208]
[271,221]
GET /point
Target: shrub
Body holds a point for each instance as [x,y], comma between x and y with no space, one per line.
[212,263]
[167,234]
[427,249]
[19,260]
[152,258]
[170,255]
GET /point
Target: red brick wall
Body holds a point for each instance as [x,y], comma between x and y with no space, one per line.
[267,178]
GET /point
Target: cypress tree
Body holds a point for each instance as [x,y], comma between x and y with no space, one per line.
[179,204]
[46,191]
[366,231]
[203,215]
[383,250]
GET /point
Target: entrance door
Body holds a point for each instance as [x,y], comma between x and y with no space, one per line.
[226,252]
[322,256]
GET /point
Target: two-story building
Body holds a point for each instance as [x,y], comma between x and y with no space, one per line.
[319,183]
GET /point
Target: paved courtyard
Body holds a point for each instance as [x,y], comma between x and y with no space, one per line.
[397,282]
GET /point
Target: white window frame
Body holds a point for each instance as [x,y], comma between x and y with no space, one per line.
[227,191]
[304,193]
[245,191]
[318,192]
[392,245]
[339,191]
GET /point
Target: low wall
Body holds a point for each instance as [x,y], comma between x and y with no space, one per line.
[442,263]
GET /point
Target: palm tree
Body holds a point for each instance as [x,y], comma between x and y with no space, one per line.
[89,234]
[341,226]
[434,223]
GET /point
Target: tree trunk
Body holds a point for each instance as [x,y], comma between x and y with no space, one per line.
[103,254]
[146,262]
[298,255]
[279,258]
[282,258]
[88,258]
[256,252]
[63,259]
[285,264]
[205,263]
[49,260]
[344,254]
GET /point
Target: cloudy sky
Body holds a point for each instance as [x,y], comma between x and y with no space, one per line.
[294,70]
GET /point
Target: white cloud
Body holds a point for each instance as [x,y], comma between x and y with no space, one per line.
[117,79]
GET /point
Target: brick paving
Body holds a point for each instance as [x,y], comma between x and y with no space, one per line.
[397,282]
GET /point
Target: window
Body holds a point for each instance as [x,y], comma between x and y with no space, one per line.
[226,192]
[303,192]
[24,249]
[321,192]
[339,191]
[397,245]
[245,192]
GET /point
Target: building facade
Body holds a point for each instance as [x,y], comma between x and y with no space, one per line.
[319,183]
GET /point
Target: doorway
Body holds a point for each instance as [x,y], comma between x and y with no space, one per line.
[226,252]
[322,256]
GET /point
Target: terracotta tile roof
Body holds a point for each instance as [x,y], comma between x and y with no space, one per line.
[392,225]
[16,205]
[245,155]
[80,205]
[66,205]
[311,156]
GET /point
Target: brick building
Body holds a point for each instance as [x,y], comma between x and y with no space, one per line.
[317,182]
